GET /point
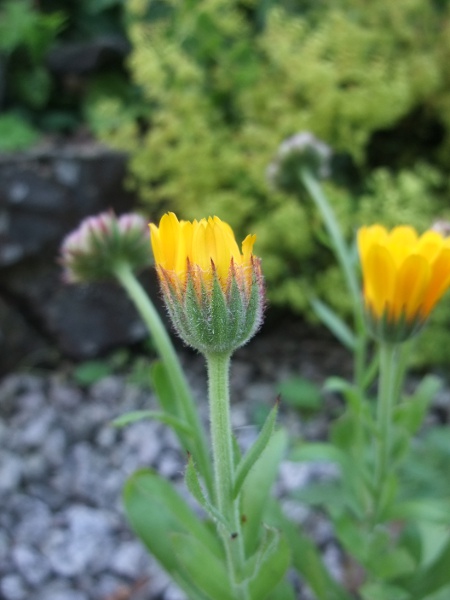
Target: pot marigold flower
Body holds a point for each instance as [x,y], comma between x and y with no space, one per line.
[214,292]
[404,275]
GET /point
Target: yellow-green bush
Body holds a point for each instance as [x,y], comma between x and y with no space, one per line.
[224,81]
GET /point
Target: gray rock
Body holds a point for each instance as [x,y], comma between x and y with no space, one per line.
[44,194]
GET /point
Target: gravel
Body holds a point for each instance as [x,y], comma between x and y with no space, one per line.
[63,533]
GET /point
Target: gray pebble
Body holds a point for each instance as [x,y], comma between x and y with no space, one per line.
[31,564]
[12,587]
[11,468]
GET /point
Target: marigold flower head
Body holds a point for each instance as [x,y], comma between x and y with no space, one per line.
[214,292]
[100,243]
[405,275]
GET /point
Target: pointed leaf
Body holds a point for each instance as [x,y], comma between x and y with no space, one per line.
[257,486]
[138,415]
[155,511]
[163,387]
[273,566]
[247,462]
[334,323]
[194,486]
[306,557]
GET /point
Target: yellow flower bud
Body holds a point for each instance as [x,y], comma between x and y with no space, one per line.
[214,292]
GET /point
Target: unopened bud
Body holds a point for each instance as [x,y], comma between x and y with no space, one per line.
[301,151]
[100,243]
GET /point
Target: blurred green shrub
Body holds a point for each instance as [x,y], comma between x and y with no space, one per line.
[25,37]
[34,99]
[225,81]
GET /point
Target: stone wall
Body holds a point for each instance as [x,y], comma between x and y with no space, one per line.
[44,194]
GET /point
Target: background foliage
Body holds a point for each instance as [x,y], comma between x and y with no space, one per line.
[212,88]
[225,82]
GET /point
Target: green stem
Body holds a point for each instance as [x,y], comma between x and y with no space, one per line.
[222,445]
[334,231]
[388,386]
[345,262]
[169,357]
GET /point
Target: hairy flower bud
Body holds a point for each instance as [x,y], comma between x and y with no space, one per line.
[100,243]
[301,151]
[213,292]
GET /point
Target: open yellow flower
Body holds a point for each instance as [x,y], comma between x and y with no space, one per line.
[405,275]
[213,290]
[207,246]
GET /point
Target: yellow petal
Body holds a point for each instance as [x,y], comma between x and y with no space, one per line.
[368,236]
[430,244]
[402,241]
[439,281]
[169,232]
[412,282]
[379,279]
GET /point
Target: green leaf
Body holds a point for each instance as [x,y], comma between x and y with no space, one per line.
[163,387]
[319,451]
[92,371]
[434,511]
[155,511]
[257,486]
[194,486]
[431,579]
[383,591]
[138,415]
[306,558]
[334,323]
[301,393]
[391,564]
[283,591]
[348,391]
[247,462]
[207,570]
[411,412]
[271,568]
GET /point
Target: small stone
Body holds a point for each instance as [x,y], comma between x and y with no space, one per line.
[31,564]
[84,544]
[34,467]
[12,587]
[33,519]
[143,439]
[11,468]
[332,557]
[54,447]
[65,396]
[58,591]
[170,465]
[129,559]
[36,432]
